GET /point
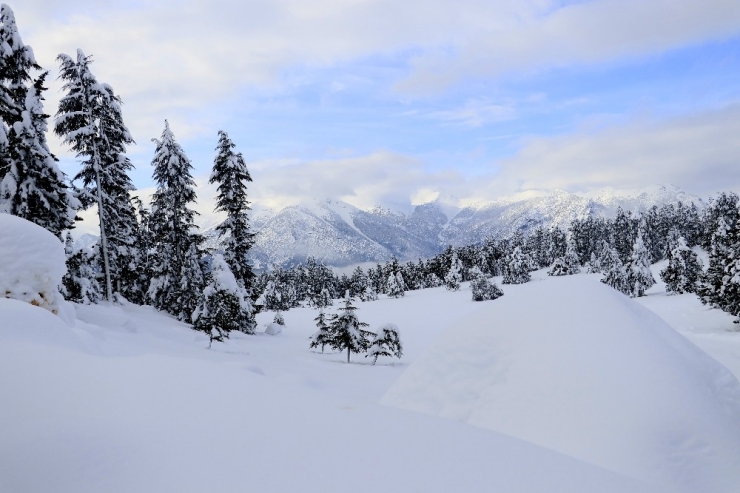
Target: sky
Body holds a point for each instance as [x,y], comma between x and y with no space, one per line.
[381,102]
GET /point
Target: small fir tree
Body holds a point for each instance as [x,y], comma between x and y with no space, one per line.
[323,334]
[394,287]
[483,289]
[223,307]
[80,283]
[639,275]
[347,331]
[453,278]
[683,270]
[616,276]
[385,343]
[278,318]
[516,267]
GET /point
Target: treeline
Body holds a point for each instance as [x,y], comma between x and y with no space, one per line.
[151,255]
[621,248]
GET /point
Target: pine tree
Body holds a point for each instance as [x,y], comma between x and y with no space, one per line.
[80,283]
[178,277]
[32,185]
[567,264]
[683,270]
[453,278]
[347,331]
[385,343]
[639,275]
[394,288]
[16,62]
[323,335]
[616,275]
[516,267]
[483,289]
[713,281]
[90,121]
[231,174]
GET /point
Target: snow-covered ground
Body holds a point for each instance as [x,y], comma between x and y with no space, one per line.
[561,385]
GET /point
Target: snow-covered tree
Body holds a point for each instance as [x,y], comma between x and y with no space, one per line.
[639,275]
[178,277]
[80,283]
[483,289]
[347,331]
[32,185]
[683,270]
[278,318]
[385,343]
[568,264]
[516,267]
[223,306]
[394,288]
[369,294]
[323,335]
[711,289]
[16,62]
[320,300]
[231,174]
[616,275]
[453,278]
[90,121]
[432,281]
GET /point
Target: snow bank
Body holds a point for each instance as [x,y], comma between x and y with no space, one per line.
[21,322]
[575,366]
[32,263]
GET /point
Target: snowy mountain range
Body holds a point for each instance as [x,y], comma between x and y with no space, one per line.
[341,234]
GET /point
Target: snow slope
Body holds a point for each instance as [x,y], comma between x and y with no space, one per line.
[571,364]
[137,403]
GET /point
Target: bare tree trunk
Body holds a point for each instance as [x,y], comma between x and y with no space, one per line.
[348,355]
[103,238]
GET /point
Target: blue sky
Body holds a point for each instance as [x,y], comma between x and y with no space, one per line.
[382,102]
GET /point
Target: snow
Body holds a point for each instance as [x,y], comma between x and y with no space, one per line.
[130,399]
[589,373]
[32,263]
[273,329]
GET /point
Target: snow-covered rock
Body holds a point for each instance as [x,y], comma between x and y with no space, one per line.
[273,329]
[575,366]
[32,263]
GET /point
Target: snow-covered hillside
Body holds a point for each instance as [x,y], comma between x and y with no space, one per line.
[129,399]
[341,234]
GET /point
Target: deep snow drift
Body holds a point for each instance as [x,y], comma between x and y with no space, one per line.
[124,398]
[575,366]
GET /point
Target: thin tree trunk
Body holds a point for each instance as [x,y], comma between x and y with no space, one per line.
[103,238]
[348,355]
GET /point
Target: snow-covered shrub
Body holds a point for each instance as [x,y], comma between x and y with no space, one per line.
[385,343]
[80,283]
[32,263]
[395,286]
[483,289]
[322,336]
[278,319]
[453,278]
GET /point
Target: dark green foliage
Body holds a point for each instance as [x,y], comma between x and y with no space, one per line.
[683,270]
[347,331]
[385,343]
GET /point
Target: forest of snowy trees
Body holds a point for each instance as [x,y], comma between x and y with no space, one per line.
[154,254]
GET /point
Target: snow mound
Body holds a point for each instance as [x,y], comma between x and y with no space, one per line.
[274,329]
[24,323]
[575,366]
[32,263]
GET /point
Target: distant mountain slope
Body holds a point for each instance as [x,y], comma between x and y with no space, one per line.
[341,234]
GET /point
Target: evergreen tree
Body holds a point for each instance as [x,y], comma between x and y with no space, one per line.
[32,185]
[80,283]
[683,270]
[90,121]
[16,62]
[432,281]
[453,278]
[712,287]
[231,174]
[347,331]
[385,343]
[516,267]
[278,318]
[223,307]
[394,287]
[639,275]
[323,334]
[616,274]
[178,277]
[483,289]
[567,264]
